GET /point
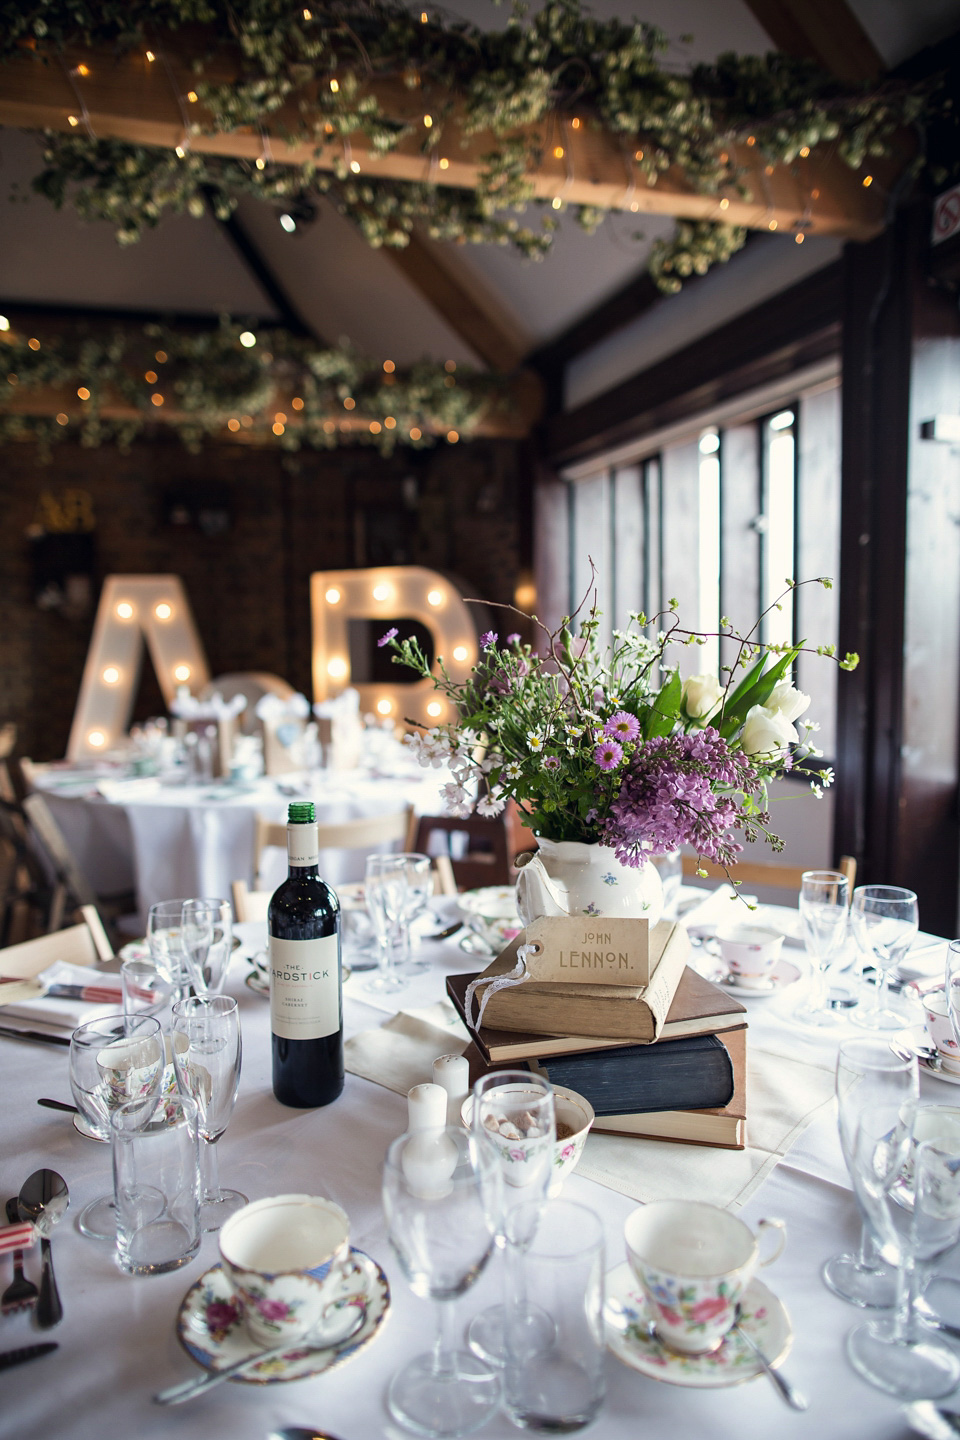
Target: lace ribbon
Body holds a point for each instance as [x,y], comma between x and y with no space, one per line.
[492,983]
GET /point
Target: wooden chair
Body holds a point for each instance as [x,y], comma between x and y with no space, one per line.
[84,944]
[369,832]
[774,877]
[252,904]
[487,859]
[71,888]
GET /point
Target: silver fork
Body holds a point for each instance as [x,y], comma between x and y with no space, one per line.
[21,1293]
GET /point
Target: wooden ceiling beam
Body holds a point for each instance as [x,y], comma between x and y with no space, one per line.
[441,288]
[128,99]
[827,31]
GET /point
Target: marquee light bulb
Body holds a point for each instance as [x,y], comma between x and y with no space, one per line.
[460,652]
[381,592]
[333,596]
[434,597]
[125,610]
[111,675]
[337,668]
[247,339]
[181,673]
[97,739]
[163,611]
[384,707]
[434,708]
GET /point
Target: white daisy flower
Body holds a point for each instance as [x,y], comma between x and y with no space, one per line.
[534,741]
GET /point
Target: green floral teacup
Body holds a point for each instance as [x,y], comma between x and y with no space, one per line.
[694,1262]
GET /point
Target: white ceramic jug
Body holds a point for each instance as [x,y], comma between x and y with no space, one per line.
[571,878]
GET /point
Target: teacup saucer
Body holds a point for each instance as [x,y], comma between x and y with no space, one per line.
[784,973]
[211,1330]
[473,944]
[627,1323]
[938,1072]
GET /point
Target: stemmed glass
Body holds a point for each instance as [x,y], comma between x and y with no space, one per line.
[441,1198]
[514,1117]
[206,1055]
[870,1073]
[418,881]
[206,939]
[895,1353]
[824,897]
[951,986]
[385,888]
[884,920]
[165,938]
[113,1061]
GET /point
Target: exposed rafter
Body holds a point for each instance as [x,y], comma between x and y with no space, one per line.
[127,99]
[823,30]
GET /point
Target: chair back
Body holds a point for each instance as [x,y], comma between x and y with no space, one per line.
[483,860]
[84,944]
[775,877]
[369,832]
[249,904]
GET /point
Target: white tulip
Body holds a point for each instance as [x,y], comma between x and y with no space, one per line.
[702,695]
[789,701]
[766,732]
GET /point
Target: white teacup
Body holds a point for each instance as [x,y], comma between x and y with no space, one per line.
[694,1262]
[751,951]
[288,1259]
[940,1027]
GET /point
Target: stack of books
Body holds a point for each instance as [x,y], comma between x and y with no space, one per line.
[665,1061]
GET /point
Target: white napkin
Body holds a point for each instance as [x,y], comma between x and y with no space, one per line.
[63,1014]
[137,788]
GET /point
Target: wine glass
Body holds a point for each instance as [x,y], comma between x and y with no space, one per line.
[206,1054]
[513,1115]
[896,1353]
[206,939]
[824,897]
[385,888]
[441,1198]
[165,938]
[114,1061]
[418,882]
[885,920]
[870,1072]
[951,986]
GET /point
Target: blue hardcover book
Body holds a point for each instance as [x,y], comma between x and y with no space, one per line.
[692,1073]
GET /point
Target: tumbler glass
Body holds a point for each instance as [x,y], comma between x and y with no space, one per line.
[156,1186]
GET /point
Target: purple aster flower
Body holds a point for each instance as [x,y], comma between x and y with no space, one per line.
[608,755]
[513,639]
[623,726]
[385,639]
[488,639]
[551,762]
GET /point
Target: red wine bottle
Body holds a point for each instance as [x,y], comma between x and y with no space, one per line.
[306,1002]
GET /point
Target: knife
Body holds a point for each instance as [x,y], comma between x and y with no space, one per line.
[12,1033]
[9,1358]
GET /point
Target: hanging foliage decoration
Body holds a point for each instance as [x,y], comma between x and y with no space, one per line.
[210,384]
[317,63]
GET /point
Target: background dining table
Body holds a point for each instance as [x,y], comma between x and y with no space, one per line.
[161,840]
[118,1343]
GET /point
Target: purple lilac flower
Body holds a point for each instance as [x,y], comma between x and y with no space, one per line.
[608,755]
[622,726]
[513,639]
[550,762]
[668,798]
[503,681]
[385,639]
[488,639]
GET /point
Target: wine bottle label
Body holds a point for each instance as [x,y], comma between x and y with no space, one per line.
[304,987]
[302,846]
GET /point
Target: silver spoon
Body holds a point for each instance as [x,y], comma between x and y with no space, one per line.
[44,1198]
[787,1392]
[186,1389]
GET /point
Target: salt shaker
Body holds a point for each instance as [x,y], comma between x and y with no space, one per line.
[453,1073]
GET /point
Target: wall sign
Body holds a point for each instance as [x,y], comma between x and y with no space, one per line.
[134,609]
[384,593]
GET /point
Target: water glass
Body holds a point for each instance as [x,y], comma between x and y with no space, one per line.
[165,938]
[385,887]
[206,1055]
[824,899]
[951,986]
[555,1259]
[145,990]
[156,1186]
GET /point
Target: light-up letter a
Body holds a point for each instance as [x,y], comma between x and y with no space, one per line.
[134,608]
[390,593]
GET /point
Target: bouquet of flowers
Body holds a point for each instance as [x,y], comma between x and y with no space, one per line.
[610,746]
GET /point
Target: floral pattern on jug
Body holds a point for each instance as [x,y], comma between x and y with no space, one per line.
[570,877]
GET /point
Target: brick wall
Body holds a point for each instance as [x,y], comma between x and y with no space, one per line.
[456,509]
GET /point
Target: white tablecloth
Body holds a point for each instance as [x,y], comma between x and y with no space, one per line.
[117,1341]
[196,839]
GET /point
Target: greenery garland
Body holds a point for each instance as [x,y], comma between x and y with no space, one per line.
[217,385]
[317,60]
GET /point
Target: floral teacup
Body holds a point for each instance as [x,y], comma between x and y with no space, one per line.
[694,1262]
[751,951]
[288,1259]
[940,1027]
[574,1117]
